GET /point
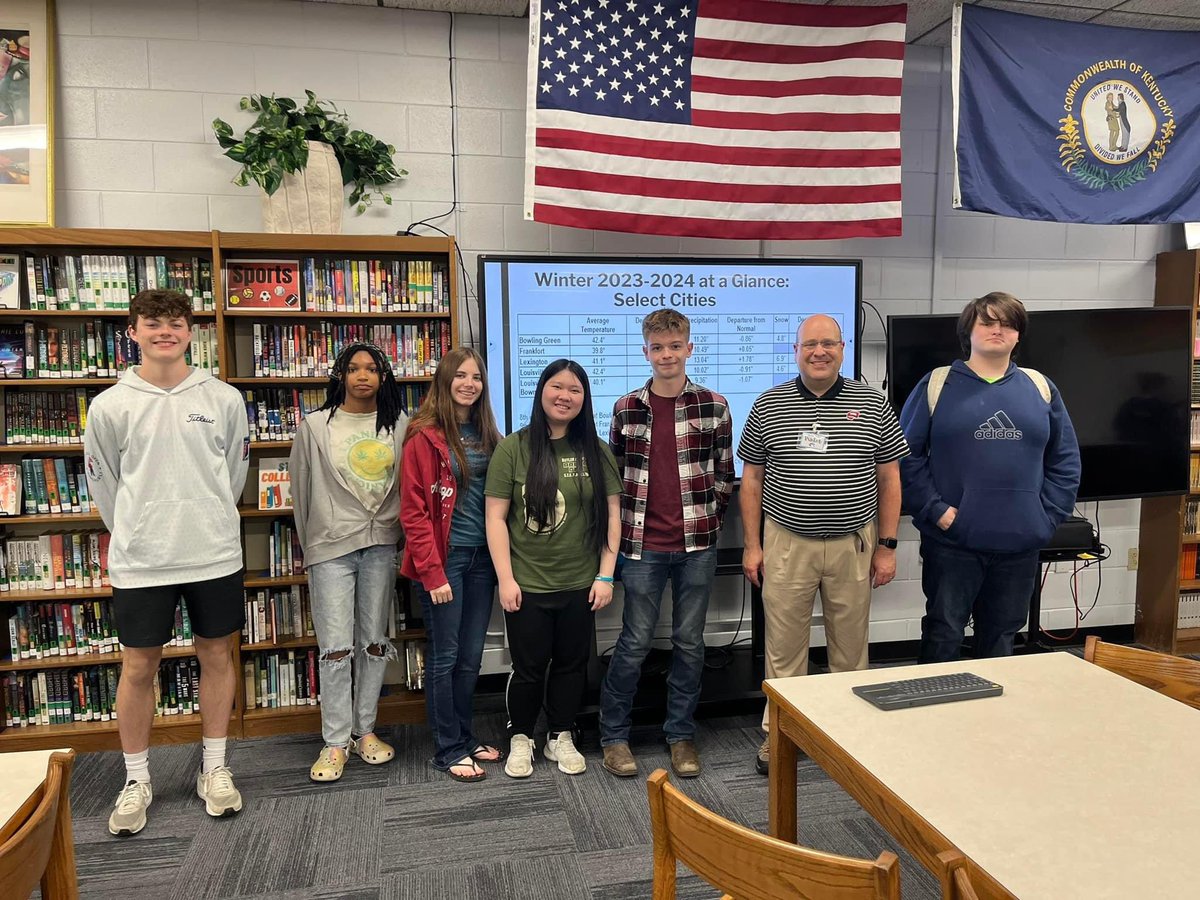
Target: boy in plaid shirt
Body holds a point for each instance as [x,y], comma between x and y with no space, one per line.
[673,441]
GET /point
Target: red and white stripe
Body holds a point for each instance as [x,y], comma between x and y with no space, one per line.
[795,134]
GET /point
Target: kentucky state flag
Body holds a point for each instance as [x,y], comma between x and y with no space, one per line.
[1071,122]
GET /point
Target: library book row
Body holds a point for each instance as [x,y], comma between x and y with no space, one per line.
[278,615]
[341,285]
[1191,516]
[1189,609]
[274,679]
[1189,558]
[46,417]
[43,486]
[1196,420]
[59,560]
[95,349]
[274,414]
[308,351]
[1194,473]
[89,693]
[50,630]
[90,281]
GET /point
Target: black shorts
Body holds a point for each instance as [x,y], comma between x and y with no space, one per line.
[145,616]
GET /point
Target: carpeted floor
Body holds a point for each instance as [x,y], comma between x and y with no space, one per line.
[404,830]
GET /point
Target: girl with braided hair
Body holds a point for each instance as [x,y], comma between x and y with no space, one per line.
[345,497]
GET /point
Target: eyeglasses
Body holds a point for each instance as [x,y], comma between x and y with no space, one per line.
[824,345]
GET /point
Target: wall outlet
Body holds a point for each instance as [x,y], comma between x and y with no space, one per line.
[1132,564]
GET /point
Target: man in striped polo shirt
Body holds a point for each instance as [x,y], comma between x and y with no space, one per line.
[821,458]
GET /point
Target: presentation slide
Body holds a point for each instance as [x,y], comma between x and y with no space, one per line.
[744,316]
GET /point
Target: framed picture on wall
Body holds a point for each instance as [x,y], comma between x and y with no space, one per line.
[26,112]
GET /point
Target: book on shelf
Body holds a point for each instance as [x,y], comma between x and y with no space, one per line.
[1189,610]
[274,484]
[12,351]
[11,497]
[91,281]
[10,281]
[262,284]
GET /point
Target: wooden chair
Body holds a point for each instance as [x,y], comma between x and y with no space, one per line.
[752,866]
[39,852]
[954,877]
[1175,676]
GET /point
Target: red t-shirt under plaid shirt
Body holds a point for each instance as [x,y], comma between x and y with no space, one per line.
[704,442]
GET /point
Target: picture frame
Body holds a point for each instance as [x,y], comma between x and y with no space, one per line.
[27,72]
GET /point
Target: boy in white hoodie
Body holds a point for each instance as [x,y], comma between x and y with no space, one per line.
[167,450]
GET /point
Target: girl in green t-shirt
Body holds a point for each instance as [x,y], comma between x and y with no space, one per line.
[553,528]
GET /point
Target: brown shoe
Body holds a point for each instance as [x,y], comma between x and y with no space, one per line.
[685,761]
[619,760]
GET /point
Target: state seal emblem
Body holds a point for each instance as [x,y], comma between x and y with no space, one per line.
[1117,127]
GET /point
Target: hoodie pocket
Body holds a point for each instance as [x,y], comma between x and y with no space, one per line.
[176,531]
[1004,520]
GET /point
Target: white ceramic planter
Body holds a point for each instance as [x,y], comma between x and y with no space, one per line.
[312,200]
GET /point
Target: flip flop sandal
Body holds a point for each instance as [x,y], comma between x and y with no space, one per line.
[372,750]
[483,752]
[477,774]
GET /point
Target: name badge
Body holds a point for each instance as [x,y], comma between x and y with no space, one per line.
[813,441]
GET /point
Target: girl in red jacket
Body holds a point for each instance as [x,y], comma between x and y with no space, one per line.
[447,448]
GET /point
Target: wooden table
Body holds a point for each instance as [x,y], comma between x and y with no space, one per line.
[1075,783]
[21,774]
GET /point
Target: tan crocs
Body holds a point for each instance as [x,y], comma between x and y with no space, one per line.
[372,749]
[329,765]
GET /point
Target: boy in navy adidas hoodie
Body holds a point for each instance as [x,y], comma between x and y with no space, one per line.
[993,472]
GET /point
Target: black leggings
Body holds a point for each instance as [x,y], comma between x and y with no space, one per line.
[549,630]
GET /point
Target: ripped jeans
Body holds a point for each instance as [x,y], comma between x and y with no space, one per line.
[350,600]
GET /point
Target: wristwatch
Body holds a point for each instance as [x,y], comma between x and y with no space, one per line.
[890,543]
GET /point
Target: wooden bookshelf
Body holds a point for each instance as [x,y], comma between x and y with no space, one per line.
[1162,537]
[231,329]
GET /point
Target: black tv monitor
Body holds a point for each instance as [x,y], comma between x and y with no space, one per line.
[1124,375]
[744,314]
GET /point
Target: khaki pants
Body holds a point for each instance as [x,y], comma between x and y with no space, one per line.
[795,568]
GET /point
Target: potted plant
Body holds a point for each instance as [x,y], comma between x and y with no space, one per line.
[302,156]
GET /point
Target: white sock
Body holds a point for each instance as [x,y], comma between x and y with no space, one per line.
[214,753]
[137,766]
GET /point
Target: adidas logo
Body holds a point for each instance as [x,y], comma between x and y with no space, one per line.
[998,427]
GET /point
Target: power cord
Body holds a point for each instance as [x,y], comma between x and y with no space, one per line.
[886,337]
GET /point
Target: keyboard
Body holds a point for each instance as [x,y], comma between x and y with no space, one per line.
[926,691]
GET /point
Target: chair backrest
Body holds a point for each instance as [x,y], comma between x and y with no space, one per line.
[1174,676]
[954,877]
[751,866]
[23,857]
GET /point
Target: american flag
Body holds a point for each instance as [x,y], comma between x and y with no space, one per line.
[750,119]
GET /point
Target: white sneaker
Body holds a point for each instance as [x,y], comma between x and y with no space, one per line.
[519,763]
[216,789]
[562,750]
[130,815]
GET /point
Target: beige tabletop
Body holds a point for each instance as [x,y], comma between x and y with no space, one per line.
[20,775]
[1074,783]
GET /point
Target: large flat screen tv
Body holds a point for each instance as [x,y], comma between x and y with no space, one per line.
[1124,375]
[744,315]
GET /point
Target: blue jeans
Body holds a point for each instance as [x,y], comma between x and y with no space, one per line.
[350,597]
[993,587]
[455,633]
[644,579]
